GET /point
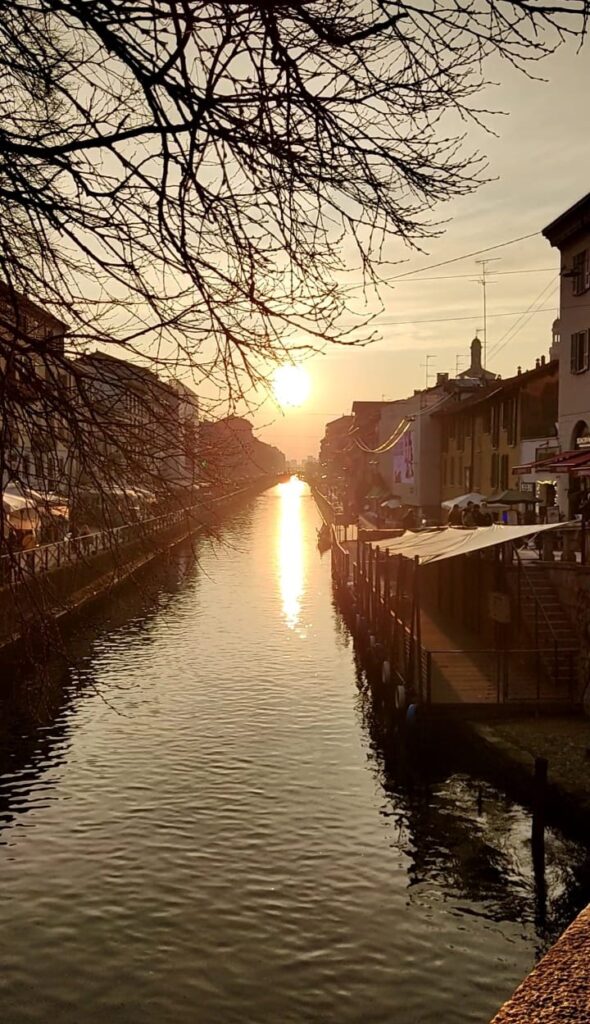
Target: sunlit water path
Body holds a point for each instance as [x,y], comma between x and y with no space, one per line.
[196,825]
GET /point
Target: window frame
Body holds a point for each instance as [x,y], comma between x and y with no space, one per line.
[579,352]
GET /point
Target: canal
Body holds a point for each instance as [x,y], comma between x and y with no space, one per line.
[199,821]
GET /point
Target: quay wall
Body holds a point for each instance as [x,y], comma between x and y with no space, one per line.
[558,989]
[33,608]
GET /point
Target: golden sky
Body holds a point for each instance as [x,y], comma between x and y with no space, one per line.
[540,163]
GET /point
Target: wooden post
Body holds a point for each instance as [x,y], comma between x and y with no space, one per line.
[418,624]
[538,834]
[375,589]
[412,652]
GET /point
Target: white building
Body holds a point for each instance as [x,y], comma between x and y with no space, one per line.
[570,234]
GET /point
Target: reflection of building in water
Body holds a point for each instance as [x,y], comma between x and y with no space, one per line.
[467,841]
[37,708]
[291,550]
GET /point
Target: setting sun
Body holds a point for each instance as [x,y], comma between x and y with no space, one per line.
[291,385]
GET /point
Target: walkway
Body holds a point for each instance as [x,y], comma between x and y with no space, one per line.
[558,989]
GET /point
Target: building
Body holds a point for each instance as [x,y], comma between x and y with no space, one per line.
[37,447]
[392,449]
[138,432]
[570,234]
[410,435]
[484,435]
[231,454]
[334,457]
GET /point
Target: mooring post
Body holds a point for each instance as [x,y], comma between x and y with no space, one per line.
[539,800]
[538,835]
[418,625]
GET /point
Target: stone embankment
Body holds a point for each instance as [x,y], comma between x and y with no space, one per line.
[557,991]
[35,600]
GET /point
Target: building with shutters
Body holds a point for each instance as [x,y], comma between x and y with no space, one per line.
[482,434]
[570,234]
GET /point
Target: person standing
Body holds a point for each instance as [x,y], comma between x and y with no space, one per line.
[467,518]
[455,516]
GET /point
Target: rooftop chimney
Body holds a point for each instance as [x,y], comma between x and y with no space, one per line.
[442,378]
[476,367]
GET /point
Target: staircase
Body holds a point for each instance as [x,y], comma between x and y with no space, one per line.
[547,628]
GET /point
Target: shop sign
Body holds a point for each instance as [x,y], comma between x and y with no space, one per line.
[499,606]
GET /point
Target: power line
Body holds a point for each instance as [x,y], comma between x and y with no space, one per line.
[515,328]
[496,273]
[453,319]
[465,256]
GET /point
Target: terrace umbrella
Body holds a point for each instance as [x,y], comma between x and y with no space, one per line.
[19,512]
[463,500]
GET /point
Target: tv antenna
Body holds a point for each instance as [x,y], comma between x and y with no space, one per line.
[483,280]
[426,367]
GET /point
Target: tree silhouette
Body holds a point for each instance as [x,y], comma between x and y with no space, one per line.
[182,184]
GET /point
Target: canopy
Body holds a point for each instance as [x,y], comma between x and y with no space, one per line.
[511,497]
[463,500]
[437,545]
[20,512]
[575,461]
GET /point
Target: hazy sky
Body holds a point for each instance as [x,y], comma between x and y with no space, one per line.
[540,159]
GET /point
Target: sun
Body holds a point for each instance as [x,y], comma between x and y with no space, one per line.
[291,385]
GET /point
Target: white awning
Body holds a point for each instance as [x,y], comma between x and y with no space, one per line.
[436,545]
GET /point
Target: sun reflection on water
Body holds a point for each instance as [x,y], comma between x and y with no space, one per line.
[291,552]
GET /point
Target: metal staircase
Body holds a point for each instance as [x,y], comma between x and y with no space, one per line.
[546,626]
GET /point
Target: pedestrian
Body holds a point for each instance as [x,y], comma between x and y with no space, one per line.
[455,516]
[409,520]
[467,517]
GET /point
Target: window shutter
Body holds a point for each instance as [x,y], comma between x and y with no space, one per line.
[573,347]
[585,352]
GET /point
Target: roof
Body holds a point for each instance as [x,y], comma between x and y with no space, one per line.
[438,545]
[341,424]
[25,305]
[571,222]
[366,408]
[497,387]
[111,368]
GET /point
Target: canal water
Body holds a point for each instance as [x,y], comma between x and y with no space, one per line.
[198,822]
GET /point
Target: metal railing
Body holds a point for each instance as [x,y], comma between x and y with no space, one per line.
[49,557]
[513,675]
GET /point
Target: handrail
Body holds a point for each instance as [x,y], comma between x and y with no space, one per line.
[507,650]
[522,571]
[44,557]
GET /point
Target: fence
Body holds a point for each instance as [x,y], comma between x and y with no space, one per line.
[49,557]
[386,597]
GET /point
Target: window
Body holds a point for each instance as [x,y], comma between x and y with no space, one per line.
[444,471]
[511,418]
[494,470]
[451,471]
[468,481]
[580,273]
[460,433]
[495,425]
[579,352]
[503,472]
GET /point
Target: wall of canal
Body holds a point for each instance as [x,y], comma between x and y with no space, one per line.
[206,815]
